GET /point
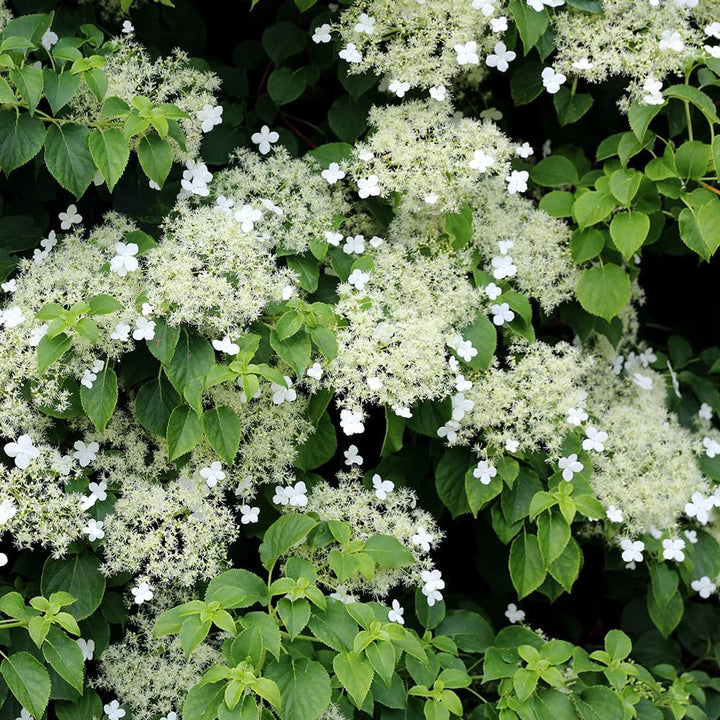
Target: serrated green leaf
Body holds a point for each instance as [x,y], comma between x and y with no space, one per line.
[527,568]
[604,290]
[99,400]
[628,231]
[184,431]
[155,156]
[223,431]
[21,138]
[110,153]
[68,157]
[28,681]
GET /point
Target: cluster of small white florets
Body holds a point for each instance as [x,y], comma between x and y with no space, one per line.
[5,15]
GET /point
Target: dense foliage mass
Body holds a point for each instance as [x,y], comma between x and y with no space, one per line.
[355,360]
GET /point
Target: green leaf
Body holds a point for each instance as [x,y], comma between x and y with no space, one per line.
[587,244]
[524,683]
[184,431]
[478,495]
[103,305]
[99,401]
[52,349]
[695,97]
[295,351]
[304,687]
[308,271]
[304,5]
[640,116]
[459,227]
[450,480]
[79,576]
[88,706]
[319,447]
[530,24]
[624,184]
[716,156]
[193,357]
[347,117]
[566,568]
[692,159]
[381,655]
[21,138]
[330,153]
[7,96]
[664,602]
[283,534]
[65,657]
[628,231]
[483,336]
[192,632]
[29,81]
[394,433]
[154,403]
[203,701]
[527,569]
[110,153]
[618,645]
[387,551]
[223,431]
[59,89]
[604,290]
[558,203]
[155,156]
[295,615]
[355,673]
[570,108]
[699,228]
[526,83]
[284,85]
[68,157]
[283,40]
[554,171]
[333,626]
[470,631]
[236,589]
[593,207]
[599,703]
[553,535]
[28,681]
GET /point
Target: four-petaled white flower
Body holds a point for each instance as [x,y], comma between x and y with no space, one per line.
[10,286]
[7,511]
[121,332]
[282,393]
[226,345]
[98,491]
[333,238]
[147,309]
[87,647]
[552,80]
[486,7]
[652,87]
[705,412]
[576,416]
[354,244]
[49,39]
[467,53]
[614,514]
[712,447]
[69,218]
[195,179]
[144,329]
[422,538]
[333,173]
[50,241]
[538,5]
[210,116]
[321,34]
[704,586]
[351,422]
[249,514]
[399,88]
[358,278]
[382,487]
[645,382]
[582,64]
[141,593]
[700,507]
[22,450]
[481,161]
[493,291]
[503,267]
[350,54]
[94,530]
[438,92]
[12,317]
[396,613]
[315,371]
[352,456]
[632,550]
[24,715]
[713,30]
[213,473]
[85,453]
[499,24]
[291,495]
[224,204]
[264,139]
[365,24]
[113,709]
[512,445]
[670,40]
[569,466]
[594,439]
[673,549]
[485,472]
[517,181]
[449,431]
[502,314]
[247,216]
[501,57]
[514,614]
[127,28]
[432,584]
[461,384]
[368,186]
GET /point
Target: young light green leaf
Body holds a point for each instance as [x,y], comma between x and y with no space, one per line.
[99,400]
[628,231]
[110,153]
[28,681]
[155,156]
[223,431]
[604,290]
[355,673]
[184,431]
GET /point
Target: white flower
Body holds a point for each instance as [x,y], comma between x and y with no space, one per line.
[368,186]
[713,30]
[350,54]
[333,173]
[595,439]
[466,350]
[449,431]
[691,536]
[12,317]
[87,647]
[249,514]
[439,93]
[121,332]
[583,64]
[22,450]
[673,549]
[569,466]
[375,241]
[24,715]
[699,507]
[552,80]
[499,24]
[712,447]
[576,416]
[247,216]
[461,384]
[358,278]
[351,422]
[652,87]
[704,586]
[297,495]
[264,139]
[147,309]
[48,39]
[422,538]
[642,381]
[503,267]
[37,334]
[671,41]
[113,710]
[69,218]
[514,614]
[94,530]
[467,53]
[97,492]
[365,155]
[352,457]
[315,371]
[226,345]
[333,238]
[705,412]
[396,613]
[486,7]
[210,116]
[492,113]
[85,454]
[321,34]
[224,204]
[144,329]
[88,378]
[501,57]
[614,514]
[460,405]
[401,411]
[485,472]
[8,509]
[50,241]
[213,473]
[537,5]
[517,181]
[283,394]
[382,487]
[127,28]
[502,314]
[374,383]
[342,595]
[431,198]
[39,256]
[632,550]
[481,161]
[142,593]
[354,244]
[365,24]
[712,50]
[512,445]
[399,88]
[10,286]
[433,583]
